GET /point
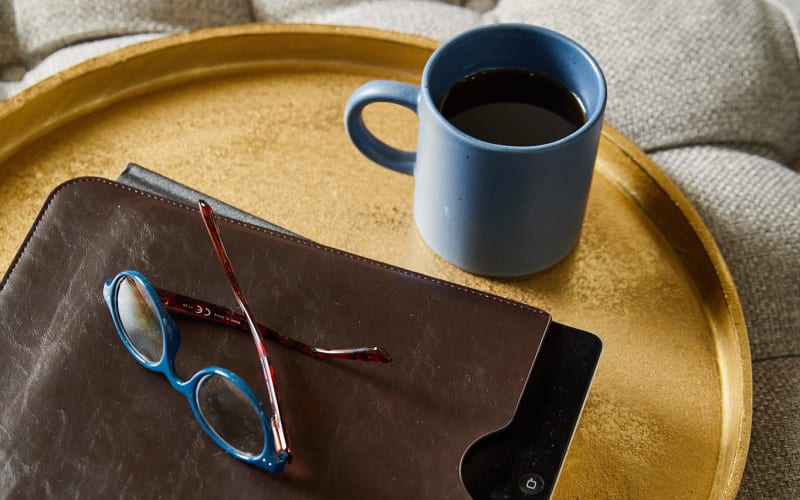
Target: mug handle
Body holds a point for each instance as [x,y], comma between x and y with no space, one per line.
[373,148]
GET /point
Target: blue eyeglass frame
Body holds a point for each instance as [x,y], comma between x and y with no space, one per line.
[268,459]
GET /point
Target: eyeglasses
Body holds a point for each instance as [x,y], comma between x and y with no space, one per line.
[226,407]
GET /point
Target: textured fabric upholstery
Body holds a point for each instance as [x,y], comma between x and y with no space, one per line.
[711,90]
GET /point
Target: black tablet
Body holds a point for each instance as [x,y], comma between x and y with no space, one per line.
[523,461]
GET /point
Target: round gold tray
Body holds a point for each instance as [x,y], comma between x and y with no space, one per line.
[252,115]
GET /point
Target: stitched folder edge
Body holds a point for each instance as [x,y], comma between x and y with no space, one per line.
[60,188]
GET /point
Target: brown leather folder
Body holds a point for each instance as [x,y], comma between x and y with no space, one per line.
[79,416]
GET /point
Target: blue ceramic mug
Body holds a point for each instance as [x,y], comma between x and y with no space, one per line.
[490,208]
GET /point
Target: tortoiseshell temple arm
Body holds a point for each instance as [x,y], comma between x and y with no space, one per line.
[196,308]
[280,444]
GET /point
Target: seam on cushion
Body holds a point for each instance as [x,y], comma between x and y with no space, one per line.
[37,56]
[760,149]
[790,16]
[777,357]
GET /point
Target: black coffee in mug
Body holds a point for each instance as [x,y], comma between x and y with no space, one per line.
[513,107]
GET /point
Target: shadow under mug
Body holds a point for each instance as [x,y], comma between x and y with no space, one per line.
[492,209]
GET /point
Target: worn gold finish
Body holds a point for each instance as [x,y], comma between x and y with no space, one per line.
[253,115]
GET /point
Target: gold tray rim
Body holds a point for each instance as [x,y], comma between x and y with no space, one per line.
[733,453]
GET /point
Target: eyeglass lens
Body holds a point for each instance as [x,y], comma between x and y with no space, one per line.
[139,319]
[227,411]
[230,414]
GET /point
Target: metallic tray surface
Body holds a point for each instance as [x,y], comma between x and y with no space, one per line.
[252,115]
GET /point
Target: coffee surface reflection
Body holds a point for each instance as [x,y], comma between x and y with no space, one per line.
[512,107]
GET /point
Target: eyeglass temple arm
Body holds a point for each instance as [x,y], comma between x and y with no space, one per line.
[196,308]
[280,443]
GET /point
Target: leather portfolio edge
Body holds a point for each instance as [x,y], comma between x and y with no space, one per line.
[272,232]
